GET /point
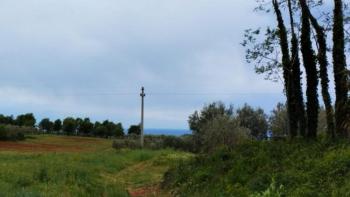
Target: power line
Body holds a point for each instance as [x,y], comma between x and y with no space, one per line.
[171,94]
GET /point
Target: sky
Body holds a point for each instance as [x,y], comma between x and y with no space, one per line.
[89,58]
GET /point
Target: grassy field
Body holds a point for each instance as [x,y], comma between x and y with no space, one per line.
[79,166]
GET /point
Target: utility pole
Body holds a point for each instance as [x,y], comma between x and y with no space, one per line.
[142,114]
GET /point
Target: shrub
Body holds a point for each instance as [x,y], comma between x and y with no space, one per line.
[155,142]
[126,143]
[11,132]
[222,131]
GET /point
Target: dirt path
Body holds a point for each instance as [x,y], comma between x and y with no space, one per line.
[144,179]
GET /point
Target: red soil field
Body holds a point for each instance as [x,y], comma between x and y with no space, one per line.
[56,144]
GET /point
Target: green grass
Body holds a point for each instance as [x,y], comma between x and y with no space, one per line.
[95,170]
[296,168]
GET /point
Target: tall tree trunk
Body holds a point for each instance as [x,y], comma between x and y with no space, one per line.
[296,77]
[323,61]
[286,64]
[311,72]
[340,73]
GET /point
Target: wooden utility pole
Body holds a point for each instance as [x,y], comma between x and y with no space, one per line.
[142,114]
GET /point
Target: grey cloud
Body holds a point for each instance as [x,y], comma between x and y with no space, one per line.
[52,53]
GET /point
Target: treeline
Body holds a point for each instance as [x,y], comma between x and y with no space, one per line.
[82,127]
[299,42]
[67,126]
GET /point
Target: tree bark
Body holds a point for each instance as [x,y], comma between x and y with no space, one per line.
[298,98]
[286,64]
[311,73]
[340,71]
[323,62]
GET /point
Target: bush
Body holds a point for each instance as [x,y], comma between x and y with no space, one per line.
[126,143]
[155,142]
[222,132]
[11,132]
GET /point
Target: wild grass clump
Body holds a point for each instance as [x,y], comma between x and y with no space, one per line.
[295,168]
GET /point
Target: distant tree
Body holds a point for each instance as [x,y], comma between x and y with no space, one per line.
[109,128]
[9,120]
[57,126]
[198,120]
[208,113]
[101,130]
[78,122]
[26,120]
[113,129]
[278,120]
[97,124]
[253,119]
[134,130]
[222,131]
[118,130]
[85,127]
[46,125]
[69,126]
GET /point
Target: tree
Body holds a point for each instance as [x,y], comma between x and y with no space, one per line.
[253,119]
[309,59]
[295,75]
[85,127]
[26,120]
[223,131]
[340,71]
[57,126]
[287,69]
[118,130]
[78,122]
[198,119]
[101,130]
[46,125]
[69,125]
[9,120]
[278,121]
[109,128]
[96,126]
[323,62]
[134,130]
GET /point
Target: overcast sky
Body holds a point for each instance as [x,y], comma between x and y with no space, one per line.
[89,58]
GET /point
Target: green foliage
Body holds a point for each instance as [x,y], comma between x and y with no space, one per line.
[13,133]
[57,126]
[222,132]
[266,168]
[26,120]
[134,130]
[253,119]
[46,125]
[85,127]
[69,126]
[217,125]
[278,121]
[7,120]
[272,191]
[155,142]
